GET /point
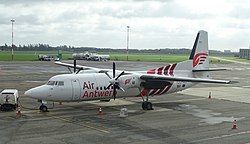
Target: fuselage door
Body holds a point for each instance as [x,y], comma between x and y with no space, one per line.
[76,90]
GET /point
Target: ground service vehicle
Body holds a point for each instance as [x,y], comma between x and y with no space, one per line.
[9,99]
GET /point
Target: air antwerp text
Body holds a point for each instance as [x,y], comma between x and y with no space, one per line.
[89,94]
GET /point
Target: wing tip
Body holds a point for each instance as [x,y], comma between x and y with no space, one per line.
[232,82]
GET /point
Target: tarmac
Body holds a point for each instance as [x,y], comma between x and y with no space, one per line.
[187,117]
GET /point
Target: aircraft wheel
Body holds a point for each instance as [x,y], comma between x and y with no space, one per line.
[144,105]
[43,108]
[149,106]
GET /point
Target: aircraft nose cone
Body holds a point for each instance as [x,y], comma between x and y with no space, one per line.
[37,92]
[29,93]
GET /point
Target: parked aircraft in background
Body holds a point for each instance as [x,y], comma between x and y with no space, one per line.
[89,83]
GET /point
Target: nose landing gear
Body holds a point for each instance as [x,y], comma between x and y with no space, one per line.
[43,108]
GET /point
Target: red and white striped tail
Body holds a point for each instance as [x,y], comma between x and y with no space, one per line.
[198,59]
[199,54]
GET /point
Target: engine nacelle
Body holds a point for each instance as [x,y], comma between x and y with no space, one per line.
[130,81]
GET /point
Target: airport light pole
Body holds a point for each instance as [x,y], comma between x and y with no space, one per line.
[12,52]
[127,40]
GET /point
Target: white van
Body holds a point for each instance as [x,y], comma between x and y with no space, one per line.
[9,99]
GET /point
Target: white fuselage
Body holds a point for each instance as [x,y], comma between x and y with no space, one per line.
[93,86]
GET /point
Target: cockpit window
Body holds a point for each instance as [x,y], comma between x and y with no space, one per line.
[50,82]
[60,83]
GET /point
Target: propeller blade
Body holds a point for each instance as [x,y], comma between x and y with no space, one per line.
[114,91]
[113,69]
[109,85]
[74,65]
[70,70]
[120,88]
[108,75]
[79,70]
[119,75]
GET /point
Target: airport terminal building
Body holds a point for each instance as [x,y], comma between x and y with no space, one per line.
[245,53]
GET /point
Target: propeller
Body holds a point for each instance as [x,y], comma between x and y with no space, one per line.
[114,81]
[76,72]
[74,65]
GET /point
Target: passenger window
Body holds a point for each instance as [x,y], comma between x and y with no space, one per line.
[56,82]
[61,83]
[97,88]
[100,88]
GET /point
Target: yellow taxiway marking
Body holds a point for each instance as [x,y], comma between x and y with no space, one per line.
[83,125]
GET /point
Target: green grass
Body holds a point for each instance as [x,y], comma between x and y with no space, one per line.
[29,55]
[33,56]
[151,58]
[159,58]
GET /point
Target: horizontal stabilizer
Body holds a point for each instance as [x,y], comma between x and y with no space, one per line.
[210,69]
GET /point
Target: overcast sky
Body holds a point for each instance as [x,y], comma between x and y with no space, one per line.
[103,23]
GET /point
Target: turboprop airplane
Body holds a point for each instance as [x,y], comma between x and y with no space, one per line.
[89,83]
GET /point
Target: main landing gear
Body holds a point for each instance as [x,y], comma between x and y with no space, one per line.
[146,105]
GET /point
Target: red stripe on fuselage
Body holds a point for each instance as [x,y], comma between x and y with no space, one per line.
[172,69]
[166,69]
[159,91]
[153,92]
[160,71]
[151,71]
[166,90]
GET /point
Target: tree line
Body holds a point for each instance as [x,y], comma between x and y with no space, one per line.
[47,47]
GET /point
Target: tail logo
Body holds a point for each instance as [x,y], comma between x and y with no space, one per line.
[199,58]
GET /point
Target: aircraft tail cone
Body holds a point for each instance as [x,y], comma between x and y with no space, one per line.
[18,112]
[100,111]
[234,126]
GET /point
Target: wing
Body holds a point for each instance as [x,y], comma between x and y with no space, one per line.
[97,70]
[185,79]
[150,76]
